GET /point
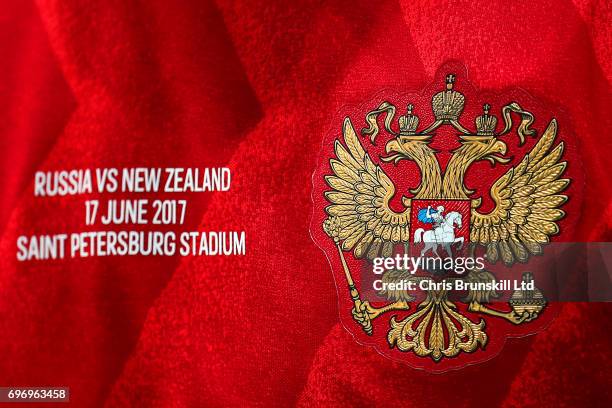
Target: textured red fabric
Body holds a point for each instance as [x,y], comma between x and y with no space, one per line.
[253,85]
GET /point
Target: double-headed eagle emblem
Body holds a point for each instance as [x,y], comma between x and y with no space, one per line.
[527,201]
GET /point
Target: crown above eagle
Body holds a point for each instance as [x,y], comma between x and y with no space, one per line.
[408,123]
[486,124]
[448,104]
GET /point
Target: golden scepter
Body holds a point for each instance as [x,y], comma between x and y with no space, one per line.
[332,227]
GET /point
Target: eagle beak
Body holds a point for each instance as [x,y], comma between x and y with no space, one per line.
[392,146]
[394,152]
[498,150]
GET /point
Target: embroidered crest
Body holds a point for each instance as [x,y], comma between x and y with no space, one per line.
[415,182]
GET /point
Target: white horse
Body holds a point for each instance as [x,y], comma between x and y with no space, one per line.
[443,235]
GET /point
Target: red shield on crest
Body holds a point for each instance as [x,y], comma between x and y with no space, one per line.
[436,224]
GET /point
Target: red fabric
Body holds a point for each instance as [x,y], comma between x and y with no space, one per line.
[253,85]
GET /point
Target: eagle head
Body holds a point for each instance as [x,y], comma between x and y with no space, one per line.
[476,148]
[413,148]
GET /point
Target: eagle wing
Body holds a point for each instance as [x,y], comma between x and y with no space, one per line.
[360,199]
[528,202]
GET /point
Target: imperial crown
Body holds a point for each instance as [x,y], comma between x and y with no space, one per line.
[408,123]
[485,124]
[448,104]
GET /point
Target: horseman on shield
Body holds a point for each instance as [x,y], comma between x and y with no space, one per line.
[443,232]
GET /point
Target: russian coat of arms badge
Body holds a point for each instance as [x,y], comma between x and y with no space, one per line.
[408,175]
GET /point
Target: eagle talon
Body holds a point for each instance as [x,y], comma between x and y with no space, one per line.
[528,316]
[368,312]
[511,316]
[517,318]
[362,317]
